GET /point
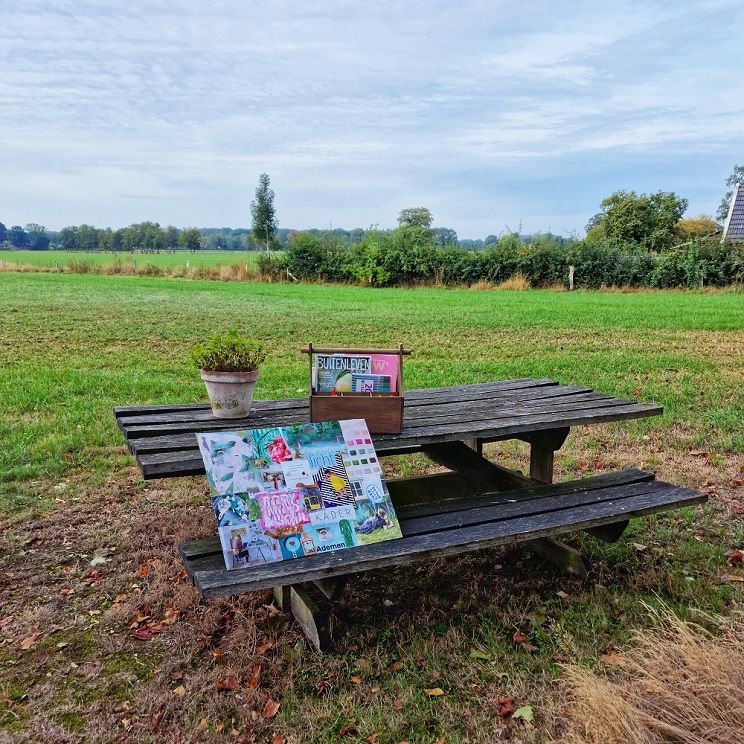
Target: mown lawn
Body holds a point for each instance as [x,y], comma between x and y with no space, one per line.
[73,346]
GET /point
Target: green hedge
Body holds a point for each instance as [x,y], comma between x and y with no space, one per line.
[410,256]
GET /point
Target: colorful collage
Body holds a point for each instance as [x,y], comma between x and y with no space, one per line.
[296,491]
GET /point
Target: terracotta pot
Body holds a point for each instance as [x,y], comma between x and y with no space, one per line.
[230,393]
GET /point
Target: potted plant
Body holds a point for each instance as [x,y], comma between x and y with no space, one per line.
[229,364]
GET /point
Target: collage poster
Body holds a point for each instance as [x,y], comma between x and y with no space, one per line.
[294,491]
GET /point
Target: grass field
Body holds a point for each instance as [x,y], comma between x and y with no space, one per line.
[180,259]
[73,346]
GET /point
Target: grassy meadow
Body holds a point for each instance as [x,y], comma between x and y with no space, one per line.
[86,545]
[61,260]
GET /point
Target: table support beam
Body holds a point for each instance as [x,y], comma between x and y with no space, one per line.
[460,456]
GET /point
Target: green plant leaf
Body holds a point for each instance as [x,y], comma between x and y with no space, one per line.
[525,713]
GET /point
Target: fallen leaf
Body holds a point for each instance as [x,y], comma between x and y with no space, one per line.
[99,560]
[216,654]
[171,616]
[264,647]
[735,556]
[180,691]
[142,634]
[396,666]
[520,639]
[356,680]
[506,706]
[139,617]
[204,724]
[640,547]
[562,594]
[62,644]
[270,709]
[255,677]
[373,739]
[143,571]
[155,720]
[219,727]
[434,692]
[231,682]
[278,739]
[65,591]
[348,731]
[525,713]
[397,704]
[30,641]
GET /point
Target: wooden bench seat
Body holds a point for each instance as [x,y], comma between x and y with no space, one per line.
[445,526]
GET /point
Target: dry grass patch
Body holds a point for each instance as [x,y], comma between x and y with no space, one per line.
[679,683]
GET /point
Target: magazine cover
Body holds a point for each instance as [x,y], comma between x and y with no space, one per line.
[354,373]
[283,493]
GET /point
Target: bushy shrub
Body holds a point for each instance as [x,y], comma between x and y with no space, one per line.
[271,266]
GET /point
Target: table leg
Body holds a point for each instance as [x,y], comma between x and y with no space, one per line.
[543,445]
[313,611]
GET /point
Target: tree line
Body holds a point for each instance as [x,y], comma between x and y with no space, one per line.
[646,222]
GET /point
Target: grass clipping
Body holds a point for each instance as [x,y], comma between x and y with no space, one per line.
[679,683]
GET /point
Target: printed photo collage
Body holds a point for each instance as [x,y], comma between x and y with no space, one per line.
[289,492]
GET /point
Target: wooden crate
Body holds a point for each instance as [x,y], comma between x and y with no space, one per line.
[382,412]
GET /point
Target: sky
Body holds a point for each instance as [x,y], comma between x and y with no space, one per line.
[495,115]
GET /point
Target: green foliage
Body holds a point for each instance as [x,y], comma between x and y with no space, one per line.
[415,217]
[647,220]
[696,227]
[307,256]
[737,176]
[263,213]
[410,255]
[37,237]
[190,239]
[228,352]
[17,237]
[271,266]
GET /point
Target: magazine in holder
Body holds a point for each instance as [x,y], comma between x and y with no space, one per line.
[372,390]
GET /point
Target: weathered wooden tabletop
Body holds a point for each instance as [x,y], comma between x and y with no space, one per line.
[163,441]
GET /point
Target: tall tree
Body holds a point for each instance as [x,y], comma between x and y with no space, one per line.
[17,237]
[737,176]
[648,220]
[171,237]
[415,217]
[190,239]
[3,233]
[68,238]
[37,237]
[262,210]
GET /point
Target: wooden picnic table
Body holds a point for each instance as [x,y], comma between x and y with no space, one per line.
[477,505]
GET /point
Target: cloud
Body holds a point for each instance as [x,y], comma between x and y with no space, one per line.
[151,110]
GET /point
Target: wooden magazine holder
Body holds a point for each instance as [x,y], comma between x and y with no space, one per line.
[383,412]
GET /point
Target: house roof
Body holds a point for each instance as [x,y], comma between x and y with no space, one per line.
[734,228]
